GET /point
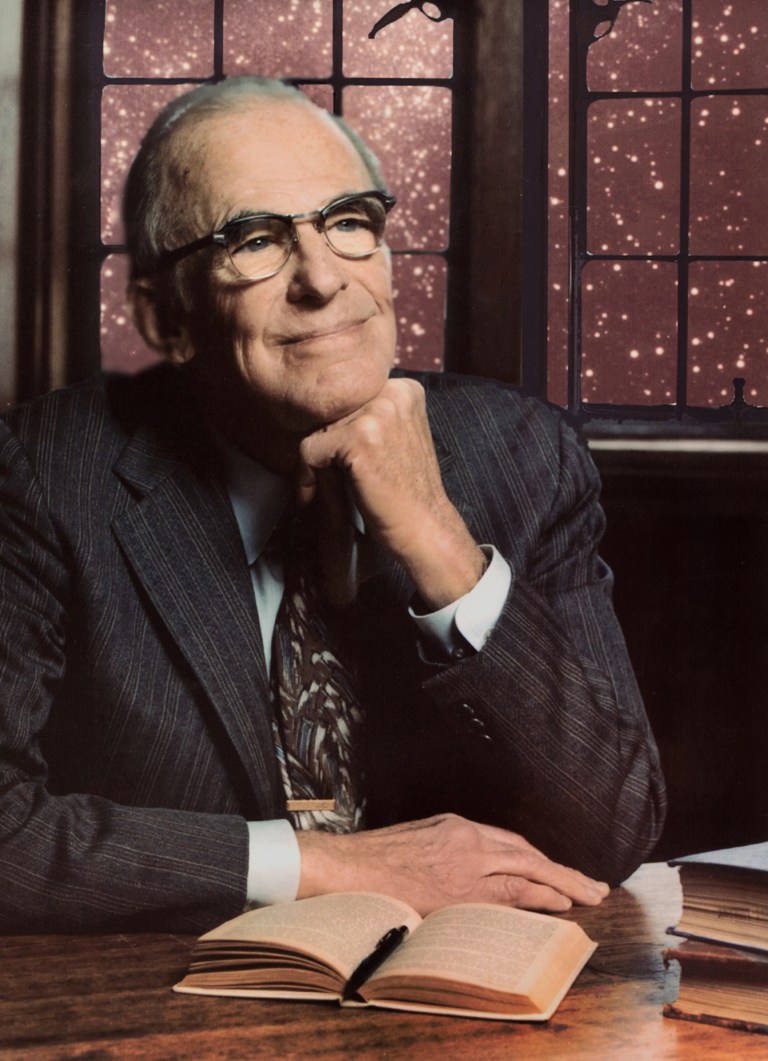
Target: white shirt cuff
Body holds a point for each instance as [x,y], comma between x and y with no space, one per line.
[274,863]
[471,618]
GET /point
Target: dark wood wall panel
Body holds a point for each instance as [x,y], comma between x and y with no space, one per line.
[688,542]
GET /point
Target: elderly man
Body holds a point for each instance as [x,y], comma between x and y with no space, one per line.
[277,621]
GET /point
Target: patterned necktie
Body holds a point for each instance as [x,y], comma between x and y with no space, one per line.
[317,719]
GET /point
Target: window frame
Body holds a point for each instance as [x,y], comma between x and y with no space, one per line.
[735,419]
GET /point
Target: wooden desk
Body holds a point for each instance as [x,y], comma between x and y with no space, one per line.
[110,997]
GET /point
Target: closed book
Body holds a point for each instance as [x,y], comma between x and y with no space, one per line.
[725,896]
[720,985]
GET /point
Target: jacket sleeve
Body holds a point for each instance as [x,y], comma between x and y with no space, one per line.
[555,742]
[72,861]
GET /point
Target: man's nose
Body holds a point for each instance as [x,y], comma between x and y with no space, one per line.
[315,271]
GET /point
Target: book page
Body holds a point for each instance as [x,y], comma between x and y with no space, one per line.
[744,1001]
[339,929]
[484,951]
[750,856]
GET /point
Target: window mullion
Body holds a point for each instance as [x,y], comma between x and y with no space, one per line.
[686,100]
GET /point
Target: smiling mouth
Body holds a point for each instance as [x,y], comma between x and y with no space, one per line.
[321,333]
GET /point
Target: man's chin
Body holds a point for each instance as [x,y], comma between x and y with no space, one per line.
[305,422]
[328,405]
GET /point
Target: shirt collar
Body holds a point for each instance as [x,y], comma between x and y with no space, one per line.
[258,497]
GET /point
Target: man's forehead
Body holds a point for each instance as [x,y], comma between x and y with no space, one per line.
[261,155]
[269,128]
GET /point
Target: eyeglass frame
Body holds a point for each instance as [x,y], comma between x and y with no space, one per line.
[219,237]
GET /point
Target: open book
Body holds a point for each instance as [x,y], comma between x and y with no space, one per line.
[360,948]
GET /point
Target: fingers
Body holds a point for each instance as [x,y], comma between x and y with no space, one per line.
[541,877]
[516,868]
[521,893]
[399,408]
[306,483]
[539,871]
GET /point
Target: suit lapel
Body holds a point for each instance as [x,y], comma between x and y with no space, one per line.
[182,542]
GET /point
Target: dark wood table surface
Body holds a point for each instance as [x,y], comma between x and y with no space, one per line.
[110,997]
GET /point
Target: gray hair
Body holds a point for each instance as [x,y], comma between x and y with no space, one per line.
[147,204]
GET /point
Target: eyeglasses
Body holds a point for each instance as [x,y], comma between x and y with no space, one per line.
[259,245]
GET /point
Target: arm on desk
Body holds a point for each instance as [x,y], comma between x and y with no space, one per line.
[546,727]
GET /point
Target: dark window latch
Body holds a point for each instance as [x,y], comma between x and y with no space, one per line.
[442,9]
[597,20]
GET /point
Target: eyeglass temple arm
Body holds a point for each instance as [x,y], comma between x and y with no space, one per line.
[172,256]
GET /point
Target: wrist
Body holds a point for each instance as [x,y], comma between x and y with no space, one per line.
[449,564]
[320,863]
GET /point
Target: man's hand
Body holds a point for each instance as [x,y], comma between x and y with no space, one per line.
[386,454]
[440,861]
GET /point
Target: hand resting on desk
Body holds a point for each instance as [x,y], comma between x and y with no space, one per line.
[439,861]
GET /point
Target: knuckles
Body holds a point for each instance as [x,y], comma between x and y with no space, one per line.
[407,396]
[370,430]
[394,422]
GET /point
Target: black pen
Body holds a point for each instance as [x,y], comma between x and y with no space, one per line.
[388,943]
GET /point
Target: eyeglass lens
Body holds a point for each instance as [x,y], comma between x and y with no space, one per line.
[260,246]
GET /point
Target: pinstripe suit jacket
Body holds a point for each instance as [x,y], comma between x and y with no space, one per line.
[134,705]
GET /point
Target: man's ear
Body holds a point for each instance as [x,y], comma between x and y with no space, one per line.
[167,337]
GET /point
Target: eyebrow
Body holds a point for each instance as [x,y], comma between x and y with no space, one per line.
[241,215]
